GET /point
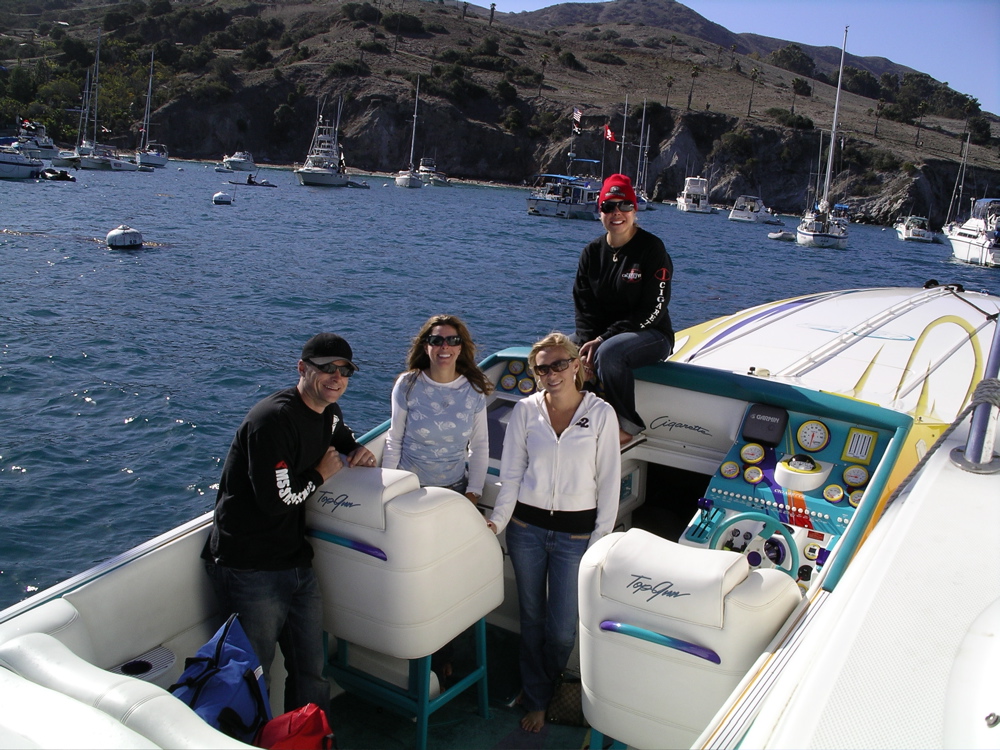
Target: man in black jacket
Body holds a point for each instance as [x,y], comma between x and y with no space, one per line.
[257,555]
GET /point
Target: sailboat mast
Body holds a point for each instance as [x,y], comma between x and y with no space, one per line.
[639,176]
[621,159]
[144,141]
[413,139]
[97,76]
[833,131]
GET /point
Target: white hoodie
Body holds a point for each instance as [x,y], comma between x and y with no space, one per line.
[578,470]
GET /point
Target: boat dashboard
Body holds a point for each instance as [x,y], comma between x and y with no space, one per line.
[786,475]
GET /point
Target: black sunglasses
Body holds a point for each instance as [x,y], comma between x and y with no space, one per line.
[329,368]
[558,366]
[436,340]
[608,207]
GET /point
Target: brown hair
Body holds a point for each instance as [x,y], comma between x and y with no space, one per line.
[557,340]
[466,365]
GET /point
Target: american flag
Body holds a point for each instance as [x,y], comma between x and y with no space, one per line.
[577,115]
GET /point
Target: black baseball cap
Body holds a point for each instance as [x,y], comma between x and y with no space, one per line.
[324,348]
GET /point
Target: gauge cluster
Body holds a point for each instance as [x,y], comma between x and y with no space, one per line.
[802,472]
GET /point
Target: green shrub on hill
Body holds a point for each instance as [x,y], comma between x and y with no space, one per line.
[786,118]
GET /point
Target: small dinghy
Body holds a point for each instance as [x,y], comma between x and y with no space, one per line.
[255,183]
[783,235]
[56,175]
[124,237]
[363,184]
[222,198]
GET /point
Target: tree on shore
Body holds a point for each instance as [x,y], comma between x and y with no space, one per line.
[695,72]
[670,84]
[754,73]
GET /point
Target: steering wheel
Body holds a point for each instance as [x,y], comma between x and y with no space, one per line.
[755,551]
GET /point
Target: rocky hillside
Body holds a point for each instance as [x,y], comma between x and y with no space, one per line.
[497,94]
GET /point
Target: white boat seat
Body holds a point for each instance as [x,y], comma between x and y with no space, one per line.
[667,632]
[37,717]
[142,707]
[403,569]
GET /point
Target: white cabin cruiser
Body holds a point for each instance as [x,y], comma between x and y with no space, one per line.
[324,165]
[694,197]
[241,161]
[913,229]
[33,141]
[565,197]
[429,173]
[977,240]
[15,165]
[765,618]
[751,209]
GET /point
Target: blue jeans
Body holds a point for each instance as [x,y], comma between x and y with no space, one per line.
[614,362]
[545,560]
[281,607]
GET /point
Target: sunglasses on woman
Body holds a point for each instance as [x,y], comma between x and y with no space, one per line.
[558,366]
[608,207]
[436,340]
[329,368]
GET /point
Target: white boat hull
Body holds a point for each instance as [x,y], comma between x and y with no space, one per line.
[321,177]
[409,180]
[977,241]
[978,250]
[820,239]
[17,166]
[563,209]
[151,159]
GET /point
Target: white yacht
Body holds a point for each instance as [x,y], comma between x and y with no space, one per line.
[32,141]
[241,161]
[429,173]
[694,197]
[977,240]
[913,229]
[15,165]
[751,209]
[324,165]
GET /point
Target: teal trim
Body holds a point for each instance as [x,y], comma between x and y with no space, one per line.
[752,388]
[866,510]
[415,700]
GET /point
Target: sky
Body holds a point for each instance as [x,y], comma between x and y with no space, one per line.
[953,41]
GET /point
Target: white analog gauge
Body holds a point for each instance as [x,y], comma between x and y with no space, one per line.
[516,366]
[855,498]
[730,469]
[812,435]
[855,476]
[752,453]
[833,493]
[753,474]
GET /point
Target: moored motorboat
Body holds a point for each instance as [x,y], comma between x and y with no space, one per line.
[33,141]
[781,435]
[564,197]
[913,229]
[977,239]
[751,209]
[694,197]
[241,161]
[429,173]
[324,165]
[15,165]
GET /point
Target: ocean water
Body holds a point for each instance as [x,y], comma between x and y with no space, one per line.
[124,374]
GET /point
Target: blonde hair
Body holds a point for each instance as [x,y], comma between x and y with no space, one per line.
[557,340]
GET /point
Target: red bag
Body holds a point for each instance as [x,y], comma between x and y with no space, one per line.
[304,728]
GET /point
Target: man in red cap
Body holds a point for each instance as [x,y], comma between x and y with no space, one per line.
[257,555]
[621,295]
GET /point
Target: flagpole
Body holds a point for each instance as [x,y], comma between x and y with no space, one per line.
[621,161]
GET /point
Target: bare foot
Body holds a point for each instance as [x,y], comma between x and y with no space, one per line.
[533,721]
[624,437]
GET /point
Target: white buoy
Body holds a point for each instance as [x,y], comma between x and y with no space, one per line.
[124,237]
[222,198]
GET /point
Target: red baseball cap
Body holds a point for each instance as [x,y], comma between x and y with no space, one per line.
[618,186]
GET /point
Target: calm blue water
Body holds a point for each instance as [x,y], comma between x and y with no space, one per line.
[123,375]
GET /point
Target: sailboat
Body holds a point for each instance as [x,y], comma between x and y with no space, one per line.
[324,164]
[820,227]
[100,156]
[150,154]
[410,178]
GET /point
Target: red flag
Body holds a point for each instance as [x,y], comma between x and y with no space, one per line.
[609,134]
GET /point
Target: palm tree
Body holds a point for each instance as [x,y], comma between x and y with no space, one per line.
[673,41]
[754,73]
[545,61]
[670,85]
[695,72]
[921,108]
[878,115]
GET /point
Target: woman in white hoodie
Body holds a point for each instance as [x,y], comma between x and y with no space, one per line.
[560,478]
